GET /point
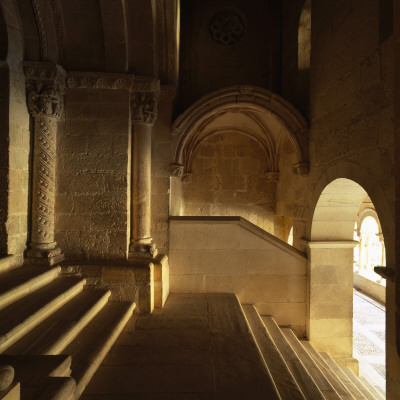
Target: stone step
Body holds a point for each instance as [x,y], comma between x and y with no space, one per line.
[333,379]
[319,378]
[87,354]
[32,371]
[58,330]
[281,375]
[13,392]
[6,263]
[342,376]
[373,389]
[19,282]
[53,388]
[22,316]
[298,370]
[360,386]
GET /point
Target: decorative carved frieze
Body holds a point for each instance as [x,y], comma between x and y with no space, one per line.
[45,84]
[177,170]
[98,80]
[144,100]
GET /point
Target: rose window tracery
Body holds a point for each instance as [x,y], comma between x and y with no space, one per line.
[226,28]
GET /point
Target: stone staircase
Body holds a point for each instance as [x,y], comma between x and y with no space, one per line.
[298,370]
[54,335]
[47,331]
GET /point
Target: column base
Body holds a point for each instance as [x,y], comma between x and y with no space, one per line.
[142,250]
[47,257]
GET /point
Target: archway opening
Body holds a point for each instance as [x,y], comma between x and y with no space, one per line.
[229,150]
[331,271]
[370,252]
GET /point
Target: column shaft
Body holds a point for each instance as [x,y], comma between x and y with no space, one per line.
[141,185]
[45,88]
[144,113]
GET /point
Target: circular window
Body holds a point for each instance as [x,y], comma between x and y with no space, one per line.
[226,28]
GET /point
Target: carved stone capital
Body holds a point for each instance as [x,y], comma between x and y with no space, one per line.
[45,84]
[187,177]
[177,170]
[301,169]
[272,176]
[144,100]
[98,80]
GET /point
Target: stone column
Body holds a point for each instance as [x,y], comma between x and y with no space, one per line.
[144,103]
[45,84]
[330,276]
[382,243]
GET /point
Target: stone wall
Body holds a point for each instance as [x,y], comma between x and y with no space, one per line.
[93,175]
[352,134]
[229,255]
[241,36]
[18,140]
[229,180]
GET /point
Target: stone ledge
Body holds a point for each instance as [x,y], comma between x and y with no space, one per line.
[144,281]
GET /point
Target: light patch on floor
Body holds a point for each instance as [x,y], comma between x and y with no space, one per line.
[369,339]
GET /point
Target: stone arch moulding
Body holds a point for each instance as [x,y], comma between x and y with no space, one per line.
[369,212]
[362,177]
[247,100]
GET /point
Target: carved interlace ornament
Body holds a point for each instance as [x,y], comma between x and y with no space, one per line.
[226,27]
[144,100]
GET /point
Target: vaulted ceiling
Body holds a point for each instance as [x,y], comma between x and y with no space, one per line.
[122,36]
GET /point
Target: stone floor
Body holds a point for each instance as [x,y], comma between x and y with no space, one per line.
[197,348]
[369,338]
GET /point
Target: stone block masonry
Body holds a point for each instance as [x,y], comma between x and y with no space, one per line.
[93,173]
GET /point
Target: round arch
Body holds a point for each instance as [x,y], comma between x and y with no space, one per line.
[336,201]
[249,102]
[369,212]
[370,187]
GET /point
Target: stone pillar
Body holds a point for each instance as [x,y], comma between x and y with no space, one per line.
[45,84]
[330,320]
[382,243]
[143,113]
